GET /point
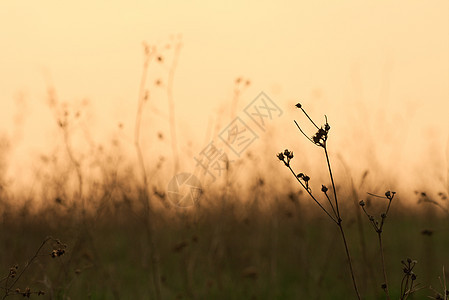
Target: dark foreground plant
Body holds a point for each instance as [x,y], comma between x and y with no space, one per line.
[320,140]
[10,281]
[408,285]
[378,227]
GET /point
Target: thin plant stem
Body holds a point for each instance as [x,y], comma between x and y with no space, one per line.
[309,118]
[77,166]
[332,206]
[320,140]
[171,106]
[444,284]
[339,222]
[8,289]
[332,180]
[303,132]
[379,235]
[143,96]
[311,195]
[235,100]
[348,255]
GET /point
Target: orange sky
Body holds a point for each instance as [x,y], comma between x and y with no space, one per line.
[375,67]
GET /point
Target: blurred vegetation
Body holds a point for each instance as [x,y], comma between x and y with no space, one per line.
[95,224]
[223,248]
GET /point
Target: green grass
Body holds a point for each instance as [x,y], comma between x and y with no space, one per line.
[235,252]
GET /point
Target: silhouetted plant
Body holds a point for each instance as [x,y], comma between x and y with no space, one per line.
[378,227]
[149,53]
[408,285]
[11,280]
[320,140]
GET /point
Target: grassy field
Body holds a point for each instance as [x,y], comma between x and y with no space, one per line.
[100,226]
[116,234]
[225,248]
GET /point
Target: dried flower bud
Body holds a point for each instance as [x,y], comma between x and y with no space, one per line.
[280,156]
[362,203]
[288,154]
[12,272]
[324,188]
[298,105]
[57,253]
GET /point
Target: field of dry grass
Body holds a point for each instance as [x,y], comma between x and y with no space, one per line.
[114,233]
[224,248]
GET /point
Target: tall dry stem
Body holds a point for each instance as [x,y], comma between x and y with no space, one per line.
[142,98]
[320,139]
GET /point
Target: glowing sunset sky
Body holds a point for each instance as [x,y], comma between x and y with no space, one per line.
[379,68]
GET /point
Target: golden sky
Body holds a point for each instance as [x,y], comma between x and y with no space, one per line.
[377,68]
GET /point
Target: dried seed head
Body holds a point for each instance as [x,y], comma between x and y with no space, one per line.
[280,156]
[298,105]
[12,272]
[57,253]
[288,154]
[383,286]
[362,203]
[320,137]
[324,188]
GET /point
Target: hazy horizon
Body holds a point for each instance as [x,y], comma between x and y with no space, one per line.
[379,71]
